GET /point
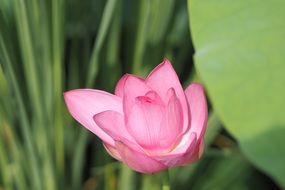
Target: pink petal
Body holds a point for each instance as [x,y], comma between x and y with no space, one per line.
[164,77]
[134,86]
[113,124]
[198,109]
[83,104]
[119,90]
[145,121]
[112,151]
[199,114]
[171,129]
[138,161]
[176,159]
[192,156]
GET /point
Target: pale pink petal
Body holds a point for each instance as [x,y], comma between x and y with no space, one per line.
[184,143]
[199,114]
[113,124]
[83,104]
[134,87]
[176,159]
[193,156]
[112,151]
[198,109]
[164,77]
[119,90]
[171,129]
[145,121]
[138,161]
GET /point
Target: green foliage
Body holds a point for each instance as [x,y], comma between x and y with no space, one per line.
[240,57]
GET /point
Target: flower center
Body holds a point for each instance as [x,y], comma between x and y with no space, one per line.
[149,97]
[145,99]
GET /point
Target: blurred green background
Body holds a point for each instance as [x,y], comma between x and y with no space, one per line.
[235,48]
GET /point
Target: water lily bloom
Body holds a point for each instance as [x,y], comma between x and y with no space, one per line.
[149,124]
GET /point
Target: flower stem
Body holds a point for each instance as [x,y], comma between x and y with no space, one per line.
[165,180]
[127,178]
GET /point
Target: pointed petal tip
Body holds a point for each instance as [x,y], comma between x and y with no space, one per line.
[83,104]
[166,61]
[196,85]
[112,123]
[119,89]
[109,120]
[68,95]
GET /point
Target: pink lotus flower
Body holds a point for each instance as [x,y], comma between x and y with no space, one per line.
[149,124]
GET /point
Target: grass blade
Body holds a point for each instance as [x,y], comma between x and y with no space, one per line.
[103,28]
